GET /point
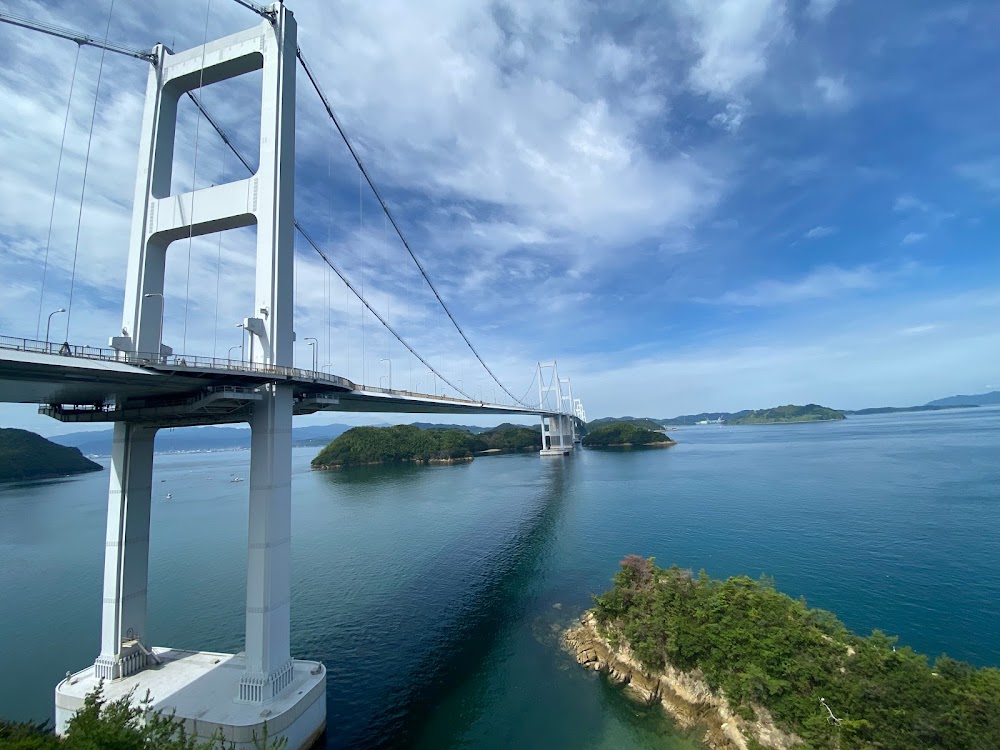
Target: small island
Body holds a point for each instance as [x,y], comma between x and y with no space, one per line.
[625,435]
[789,413]
[26,455]
[361,446]
[758,669]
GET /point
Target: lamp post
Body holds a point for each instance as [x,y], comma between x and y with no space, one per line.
[416,388]
[386,359]
[239,346]
[48,325]
[313,342]
[163,303]
[242,337]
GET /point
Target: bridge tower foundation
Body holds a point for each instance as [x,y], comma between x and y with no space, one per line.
[229,695]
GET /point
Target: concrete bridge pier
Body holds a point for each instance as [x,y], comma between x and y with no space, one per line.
[229,695]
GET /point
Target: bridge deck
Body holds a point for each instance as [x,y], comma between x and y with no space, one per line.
[86,384]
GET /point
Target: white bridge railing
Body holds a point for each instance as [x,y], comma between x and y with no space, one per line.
[182,362]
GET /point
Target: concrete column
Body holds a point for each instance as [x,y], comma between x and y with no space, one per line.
[268,664]
[126,555]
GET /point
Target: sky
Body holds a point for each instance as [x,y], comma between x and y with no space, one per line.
[691,206]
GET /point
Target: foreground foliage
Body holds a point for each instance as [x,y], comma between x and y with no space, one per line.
[115,725]
[373,445]
[759,646]
[25,455]
[623,433]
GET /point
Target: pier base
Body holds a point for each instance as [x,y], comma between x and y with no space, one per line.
[203,688]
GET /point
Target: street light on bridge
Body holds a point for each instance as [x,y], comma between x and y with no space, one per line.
[313,342]
[48,325]
[386,359]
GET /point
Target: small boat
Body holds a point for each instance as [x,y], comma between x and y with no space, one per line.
[169,496]
[236,479]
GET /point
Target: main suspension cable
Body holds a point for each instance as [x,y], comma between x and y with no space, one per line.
[305,235]
[392,220]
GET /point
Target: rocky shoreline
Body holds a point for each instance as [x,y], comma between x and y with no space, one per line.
[685,696]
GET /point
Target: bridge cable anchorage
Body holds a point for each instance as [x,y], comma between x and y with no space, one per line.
[373,311]
[392,220]
[74,36]
[86,170]
[194,185]
[55,191]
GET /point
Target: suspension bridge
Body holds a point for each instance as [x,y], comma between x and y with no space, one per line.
[140,384]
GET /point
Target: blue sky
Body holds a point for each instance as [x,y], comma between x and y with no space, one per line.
[691,205]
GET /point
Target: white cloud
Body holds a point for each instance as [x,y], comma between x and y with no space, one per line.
[834,91]
[913,237]
[819,10]
[731,118]
[823,282]
[906,202]
[819,232]
[917,330]
[733,38]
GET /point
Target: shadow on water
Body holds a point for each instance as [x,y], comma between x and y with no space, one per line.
[462,633]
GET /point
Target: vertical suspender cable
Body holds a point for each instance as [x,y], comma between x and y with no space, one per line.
[86,169]
[55,191]
[361,236]
[218,272]
[194,179]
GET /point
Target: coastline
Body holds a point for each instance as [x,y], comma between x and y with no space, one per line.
[439,461]
[685,696]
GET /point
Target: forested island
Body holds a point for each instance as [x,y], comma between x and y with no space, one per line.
[26,455]
[624,435]
[644,422]
[789,413]
[759,669]
[361,446]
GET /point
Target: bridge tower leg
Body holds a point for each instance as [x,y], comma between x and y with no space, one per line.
[212,692]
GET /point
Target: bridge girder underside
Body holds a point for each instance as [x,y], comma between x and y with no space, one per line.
[85,391]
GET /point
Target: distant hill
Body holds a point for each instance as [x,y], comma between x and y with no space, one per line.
[982,399]
[897,409]
[645,422]
[625,434]
[360,446]
[705,416]
[25,455]
[789,413]
[474,429]
[98,442]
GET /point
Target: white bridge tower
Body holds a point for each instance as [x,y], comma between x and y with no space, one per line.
[231,694]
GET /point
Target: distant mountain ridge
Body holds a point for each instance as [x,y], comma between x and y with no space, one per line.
[98,442]
[980,399]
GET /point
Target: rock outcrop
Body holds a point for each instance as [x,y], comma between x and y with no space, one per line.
[686,696]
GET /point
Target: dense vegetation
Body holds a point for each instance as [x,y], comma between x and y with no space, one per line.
[374,445]
[115,725]
[623,433]
[644,422]
[25,455]
[759,646]
[790,413]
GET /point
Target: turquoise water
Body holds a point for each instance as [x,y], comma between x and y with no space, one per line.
[435,595]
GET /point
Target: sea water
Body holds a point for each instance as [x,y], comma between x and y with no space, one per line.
[436,595]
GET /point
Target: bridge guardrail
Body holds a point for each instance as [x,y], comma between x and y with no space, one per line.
[156,362]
